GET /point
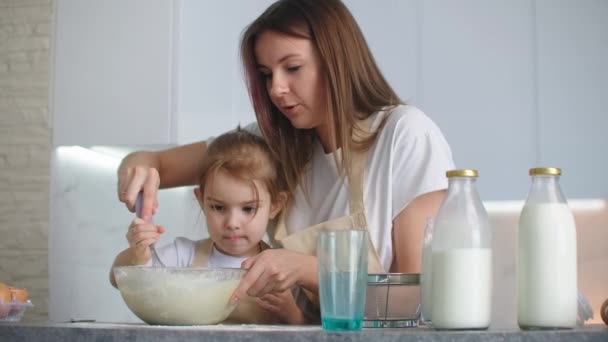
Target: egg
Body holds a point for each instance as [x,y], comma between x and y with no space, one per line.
[5,299]
[18,295]
[604,312]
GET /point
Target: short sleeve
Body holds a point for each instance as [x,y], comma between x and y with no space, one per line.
[180,253]
[421,156]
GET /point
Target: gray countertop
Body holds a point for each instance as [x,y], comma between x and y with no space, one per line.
[107,332]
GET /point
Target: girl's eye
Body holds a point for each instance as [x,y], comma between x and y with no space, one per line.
[217,207]
[250,210]
[265,75]
[293,68]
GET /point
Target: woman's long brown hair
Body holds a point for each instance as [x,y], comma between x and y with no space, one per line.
[353,82]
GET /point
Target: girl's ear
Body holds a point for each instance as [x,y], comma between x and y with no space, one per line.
[199,196]
[278,205]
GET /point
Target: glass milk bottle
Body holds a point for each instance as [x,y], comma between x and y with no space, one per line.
[546,256]
[462,257]
[426,275]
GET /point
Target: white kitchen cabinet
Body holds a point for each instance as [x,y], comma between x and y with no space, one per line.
[573,96]
[476,80]
[112,72]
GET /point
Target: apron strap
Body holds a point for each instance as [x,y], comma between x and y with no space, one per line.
[202,252]
[278,230]
[357,169]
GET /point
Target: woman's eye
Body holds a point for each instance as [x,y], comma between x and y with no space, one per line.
[293,68]
[265,75]
[249,210]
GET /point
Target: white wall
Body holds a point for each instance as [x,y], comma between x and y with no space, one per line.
[212,96]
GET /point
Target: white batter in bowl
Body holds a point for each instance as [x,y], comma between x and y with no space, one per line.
[178,296]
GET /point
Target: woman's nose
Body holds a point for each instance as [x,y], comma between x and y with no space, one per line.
[278,86]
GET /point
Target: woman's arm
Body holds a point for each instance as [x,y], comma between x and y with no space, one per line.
[408,231]
[149,171]
[277,270]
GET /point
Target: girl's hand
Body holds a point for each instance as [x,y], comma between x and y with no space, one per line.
[284,305]
[140,236]
[134,180]
[276,270]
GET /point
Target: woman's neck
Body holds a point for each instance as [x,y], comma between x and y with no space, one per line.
[323,133]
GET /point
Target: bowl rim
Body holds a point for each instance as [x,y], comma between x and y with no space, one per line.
[183,268]
[393,278]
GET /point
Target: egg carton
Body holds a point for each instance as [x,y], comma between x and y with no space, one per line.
[13,311]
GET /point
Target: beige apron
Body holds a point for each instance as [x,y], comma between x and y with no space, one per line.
[305,241]
[247,311]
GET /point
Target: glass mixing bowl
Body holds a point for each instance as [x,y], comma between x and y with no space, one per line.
[178,296]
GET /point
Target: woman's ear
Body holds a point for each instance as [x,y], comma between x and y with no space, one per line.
[279,204]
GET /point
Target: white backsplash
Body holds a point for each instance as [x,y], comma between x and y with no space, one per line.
[88,227]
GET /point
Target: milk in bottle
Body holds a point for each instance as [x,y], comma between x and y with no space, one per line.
[426,273]
[462,258]
[546,256]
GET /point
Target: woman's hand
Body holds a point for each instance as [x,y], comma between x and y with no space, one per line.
[131,181]
[283,305]
[276,270]
[148,171]
[140,236]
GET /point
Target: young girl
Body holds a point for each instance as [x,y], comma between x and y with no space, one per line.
[239,192]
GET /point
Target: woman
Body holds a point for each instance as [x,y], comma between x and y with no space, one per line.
[351,152]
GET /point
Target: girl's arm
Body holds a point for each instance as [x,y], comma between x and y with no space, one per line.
[284,306]
[140,236]
[128,257]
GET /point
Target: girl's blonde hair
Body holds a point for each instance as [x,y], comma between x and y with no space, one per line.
[245,156]
[354,84]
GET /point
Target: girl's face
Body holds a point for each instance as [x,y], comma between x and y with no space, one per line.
[235,220]
[292,70]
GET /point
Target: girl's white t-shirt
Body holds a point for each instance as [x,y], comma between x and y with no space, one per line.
[181,253]
[409,158]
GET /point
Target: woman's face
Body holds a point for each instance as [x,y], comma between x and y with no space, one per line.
[292,70]
[235,220]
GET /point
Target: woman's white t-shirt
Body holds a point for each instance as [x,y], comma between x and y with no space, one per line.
[409,158]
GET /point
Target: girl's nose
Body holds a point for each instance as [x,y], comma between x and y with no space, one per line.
[233,220]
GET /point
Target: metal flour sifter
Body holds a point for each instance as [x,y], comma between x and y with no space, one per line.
[392,300]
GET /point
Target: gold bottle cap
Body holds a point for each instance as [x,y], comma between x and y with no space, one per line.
[462,173]
[549,171]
